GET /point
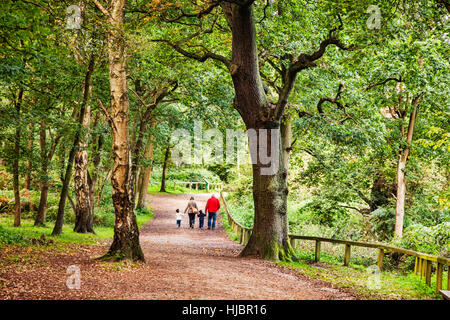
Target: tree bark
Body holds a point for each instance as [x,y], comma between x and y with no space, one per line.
[101,186]
[27,182]
[401,181]
[144,176]
[45,160]
[16,186]
[83,212]
[269,238]
[57,230]
[125,243]
[40,217]
[93,177]
[164,171]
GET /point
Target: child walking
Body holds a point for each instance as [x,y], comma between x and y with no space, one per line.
[201,219]
[179,216]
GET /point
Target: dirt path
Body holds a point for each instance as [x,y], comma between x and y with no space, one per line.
[203,264]
[181,264]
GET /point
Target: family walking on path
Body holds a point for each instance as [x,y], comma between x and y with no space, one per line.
[212,207]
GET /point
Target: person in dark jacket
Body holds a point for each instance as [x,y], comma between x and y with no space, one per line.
[201,219]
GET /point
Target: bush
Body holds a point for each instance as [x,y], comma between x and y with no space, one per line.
[382,222]
[184,174]
[4,204]
[432,240]
[8,237]
[104,216]
[324,212]
[5,179]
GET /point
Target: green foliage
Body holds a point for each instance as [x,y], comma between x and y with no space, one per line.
[10,237]
[23,235]
[187,174]
[357,278]
[324,212]
[433,240]
[383,221]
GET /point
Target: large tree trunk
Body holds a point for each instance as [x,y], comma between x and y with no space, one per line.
[126,233]
[57,230]
[83,213]
[16,161]
[144,176]
[269,238]
[164,171]
[401,181]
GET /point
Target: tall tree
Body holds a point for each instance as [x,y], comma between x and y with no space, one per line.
[17,104]
[402,159]
[253,101]
[46,158]
[57,230]
[145,172]
[126,233]
[83,209]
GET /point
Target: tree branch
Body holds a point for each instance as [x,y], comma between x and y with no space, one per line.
[101,8]
[372,85]
[107,115]
[199,57]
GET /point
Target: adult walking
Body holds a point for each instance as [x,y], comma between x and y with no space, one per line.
[192,210]
[212,208]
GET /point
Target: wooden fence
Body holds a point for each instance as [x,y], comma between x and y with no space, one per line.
[423,263]
[195,185]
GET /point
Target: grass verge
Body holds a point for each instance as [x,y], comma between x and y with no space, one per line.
[365,281]
[23,235]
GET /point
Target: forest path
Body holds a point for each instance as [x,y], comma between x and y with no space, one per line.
[181,264]
[204,264]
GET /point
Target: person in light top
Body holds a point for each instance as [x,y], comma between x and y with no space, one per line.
[192,210]
[179,217]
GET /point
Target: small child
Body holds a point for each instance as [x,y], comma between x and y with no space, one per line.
[179,216]
[201,217]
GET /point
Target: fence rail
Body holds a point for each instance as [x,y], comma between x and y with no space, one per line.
[423,264]
[197,184]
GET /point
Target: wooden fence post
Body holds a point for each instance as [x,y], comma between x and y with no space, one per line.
[421,265]
[317,251]
[292,241]
[439,271]
[448,277]
[247,236]
[424,268]
[416,265]
[347,255]
[380,259]
[242,234]
[428,273]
